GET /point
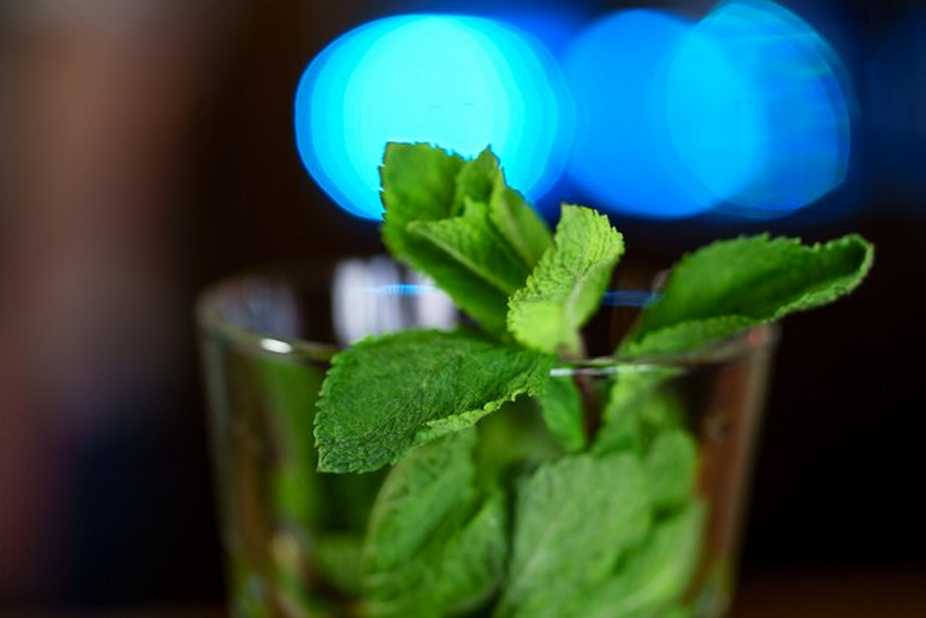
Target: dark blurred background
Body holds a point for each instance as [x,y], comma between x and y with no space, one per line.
[147,148]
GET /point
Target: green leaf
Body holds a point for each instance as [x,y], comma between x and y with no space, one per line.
[561,407]
[518,222]
[426,496]
[386,394]
[458,222]
[735,284]
[450,576]
[566,287]
[656,575]
[482,180]
[472,242]
[640,405]
[671,464]
[473,560]
[432,547]
[574,517]
[476,180]
[431,485]
[419,184]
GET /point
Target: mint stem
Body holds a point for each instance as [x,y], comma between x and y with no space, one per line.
[591,411]
[591,408]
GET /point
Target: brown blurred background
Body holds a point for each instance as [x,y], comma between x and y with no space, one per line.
[146,148]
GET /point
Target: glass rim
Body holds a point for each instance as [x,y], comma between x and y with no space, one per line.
[211,322]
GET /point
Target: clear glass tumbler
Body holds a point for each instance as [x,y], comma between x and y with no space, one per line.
[294,537]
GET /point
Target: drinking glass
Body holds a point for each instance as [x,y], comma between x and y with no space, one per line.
[293,537]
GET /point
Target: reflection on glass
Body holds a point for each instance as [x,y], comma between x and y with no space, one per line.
[374,296]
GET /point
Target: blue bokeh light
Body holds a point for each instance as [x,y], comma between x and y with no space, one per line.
[555,27]
[746,110]
[460,82]
[623,155]
[758,108]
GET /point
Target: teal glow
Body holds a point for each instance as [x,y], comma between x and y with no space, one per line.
[757,109]
[623,155]
[459,82]
[745,111]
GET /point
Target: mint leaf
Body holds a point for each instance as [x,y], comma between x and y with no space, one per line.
[574,517]
[514,218]
[419,184]
[471,241]
[426,496]
[432,483]
[450,575]
[640,405]
[482,180]
[688,336]
[431,547]
[655,575]
[671,464]
[476,180]
[735,284]
[495,233]
[566,287]
[473,560]
[456,221]
[386,394]
[561,407]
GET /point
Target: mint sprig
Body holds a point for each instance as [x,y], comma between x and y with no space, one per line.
[460,224]
[482,180]
[732,285]
[601,518]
